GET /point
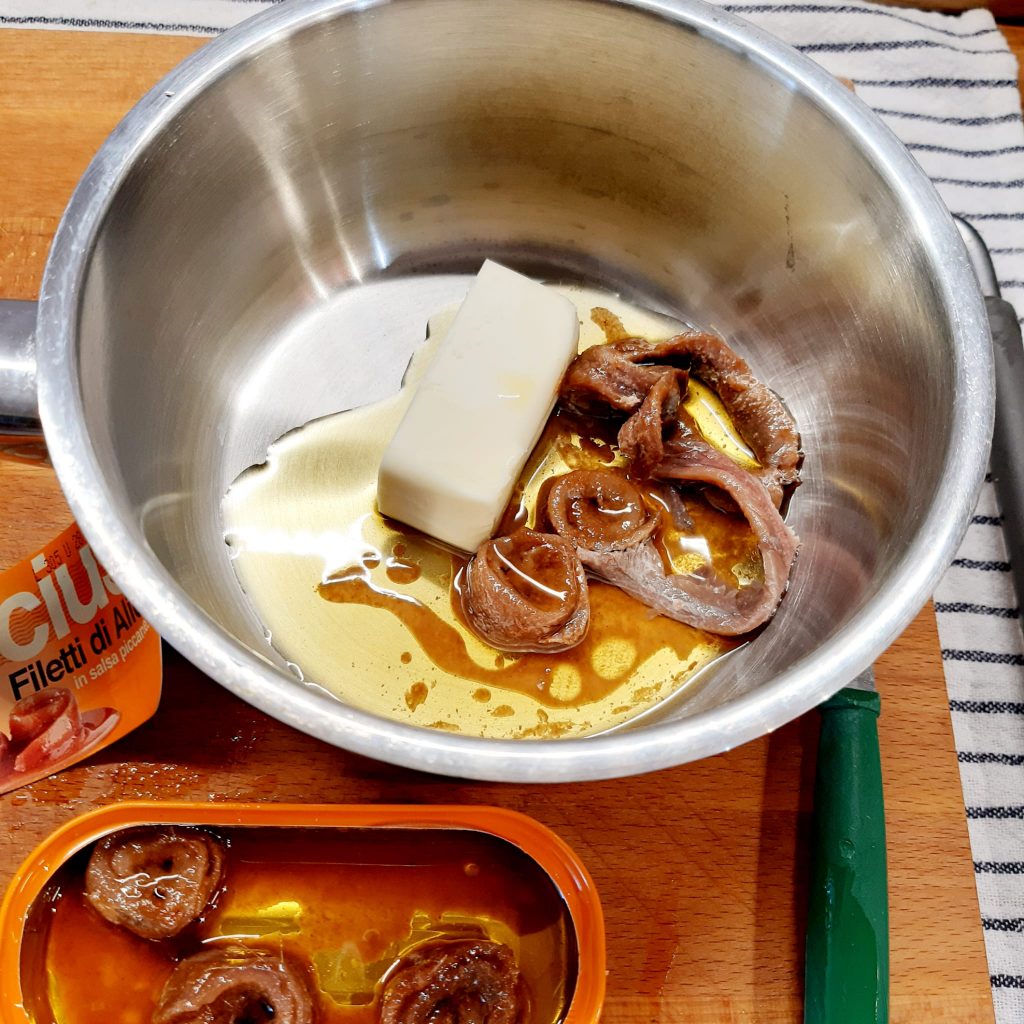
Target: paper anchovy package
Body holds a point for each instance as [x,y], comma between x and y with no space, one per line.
[79,667]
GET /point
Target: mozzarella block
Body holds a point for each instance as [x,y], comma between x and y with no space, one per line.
[479,409]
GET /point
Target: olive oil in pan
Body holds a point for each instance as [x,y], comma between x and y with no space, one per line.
[364,606]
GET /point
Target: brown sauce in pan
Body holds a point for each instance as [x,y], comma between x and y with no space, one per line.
[623,636]
[364,606]
[587,673]
[352,902]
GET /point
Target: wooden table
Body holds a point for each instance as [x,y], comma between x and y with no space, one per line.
[701,869]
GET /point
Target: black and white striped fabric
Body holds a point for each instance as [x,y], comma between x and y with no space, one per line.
[948,87]
[170,17]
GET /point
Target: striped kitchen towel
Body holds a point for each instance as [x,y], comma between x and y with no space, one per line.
[175,17]
[948,87]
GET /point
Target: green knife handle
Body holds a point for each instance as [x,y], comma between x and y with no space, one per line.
[847,960]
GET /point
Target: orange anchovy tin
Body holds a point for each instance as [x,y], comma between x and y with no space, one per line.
[361,857]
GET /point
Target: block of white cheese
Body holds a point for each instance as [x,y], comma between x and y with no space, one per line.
[479,409]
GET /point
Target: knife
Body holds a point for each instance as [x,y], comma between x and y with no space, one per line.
[1007,459]
[847,945]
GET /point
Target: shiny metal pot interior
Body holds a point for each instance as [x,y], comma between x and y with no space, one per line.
[292,201]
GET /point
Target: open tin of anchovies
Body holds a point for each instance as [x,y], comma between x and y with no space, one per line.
[353,894]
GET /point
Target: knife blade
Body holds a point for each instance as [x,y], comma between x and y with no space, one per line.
[847,944]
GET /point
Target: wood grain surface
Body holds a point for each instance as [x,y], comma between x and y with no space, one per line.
[701,868]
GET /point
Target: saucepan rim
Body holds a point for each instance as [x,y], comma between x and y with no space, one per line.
[183,624]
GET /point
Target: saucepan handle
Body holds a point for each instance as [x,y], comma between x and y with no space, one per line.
[19,410]
[1007,460]
[1007,448]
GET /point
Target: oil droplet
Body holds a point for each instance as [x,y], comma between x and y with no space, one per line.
[446,726]
[610,324]
[416,695]
[613,658]
[750,571]
[403,572]
[707,408]
[503,711]
[483,695]
[406,657]
[567,683]
[471,870]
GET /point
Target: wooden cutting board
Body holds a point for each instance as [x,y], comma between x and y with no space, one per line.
[701,869]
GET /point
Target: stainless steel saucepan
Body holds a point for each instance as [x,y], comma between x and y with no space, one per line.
[337,162]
